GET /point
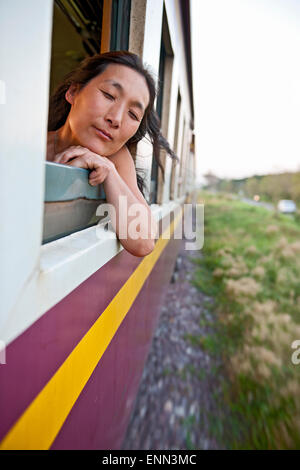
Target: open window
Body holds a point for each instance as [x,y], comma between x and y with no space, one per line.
[81,28]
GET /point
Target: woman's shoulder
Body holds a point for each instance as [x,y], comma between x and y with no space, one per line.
[125,166]
[122,158]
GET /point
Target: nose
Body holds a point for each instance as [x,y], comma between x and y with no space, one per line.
[114,115]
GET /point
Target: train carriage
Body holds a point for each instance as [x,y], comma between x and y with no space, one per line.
[78,312]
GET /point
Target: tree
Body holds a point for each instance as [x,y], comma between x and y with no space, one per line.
[252,186]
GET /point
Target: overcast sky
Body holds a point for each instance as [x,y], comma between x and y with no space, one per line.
[246,64]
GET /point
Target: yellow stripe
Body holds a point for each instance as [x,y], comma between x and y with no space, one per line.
[40,423]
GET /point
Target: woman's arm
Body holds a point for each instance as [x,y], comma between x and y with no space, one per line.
[139,219]
[133,223]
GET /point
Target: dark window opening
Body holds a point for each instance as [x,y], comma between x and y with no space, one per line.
[76,34]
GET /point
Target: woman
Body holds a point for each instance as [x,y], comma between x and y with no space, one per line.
[96,115]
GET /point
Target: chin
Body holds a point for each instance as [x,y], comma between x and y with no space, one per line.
[112,151]
[99,149]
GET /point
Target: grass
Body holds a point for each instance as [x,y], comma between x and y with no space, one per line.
[190,369]
[188,423]
[250,265]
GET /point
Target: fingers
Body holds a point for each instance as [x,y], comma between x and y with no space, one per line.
[69,153]
[78,162]
[98,176]
[93,174]
[82,157]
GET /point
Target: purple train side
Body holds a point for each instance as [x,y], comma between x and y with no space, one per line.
[100,415]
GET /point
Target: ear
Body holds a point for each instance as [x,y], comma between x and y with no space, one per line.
[71,93]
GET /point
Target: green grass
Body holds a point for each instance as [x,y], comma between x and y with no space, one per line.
[188,423]
[250,265]
[191,370]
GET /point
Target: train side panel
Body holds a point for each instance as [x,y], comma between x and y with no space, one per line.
[99,415]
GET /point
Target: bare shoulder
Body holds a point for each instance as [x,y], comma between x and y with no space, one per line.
[123,159]
[126,168]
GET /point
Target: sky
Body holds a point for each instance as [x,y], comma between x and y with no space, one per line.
[246,78]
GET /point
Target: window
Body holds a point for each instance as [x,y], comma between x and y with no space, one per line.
[162,108]
[182,168]
[80,28]
[70,202]
[154,170]
[176,149]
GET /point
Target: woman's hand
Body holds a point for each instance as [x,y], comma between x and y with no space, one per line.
[82,157]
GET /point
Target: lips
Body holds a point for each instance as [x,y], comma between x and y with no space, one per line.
[103,134]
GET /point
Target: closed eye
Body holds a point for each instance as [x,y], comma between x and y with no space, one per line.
[108,95]
[134,116]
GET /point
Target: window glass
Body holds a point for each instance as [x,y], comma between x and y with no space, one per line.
[120,22]
[158,190]
[159,102]
[173,194]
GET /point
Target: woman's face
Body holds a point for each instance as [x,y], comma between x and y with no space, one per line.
[107,112]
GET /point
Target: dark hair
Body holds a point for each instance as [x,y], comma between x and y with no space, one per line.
[89,68]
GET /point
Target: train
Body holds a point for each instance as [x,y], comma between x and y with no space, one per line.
[78,312]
